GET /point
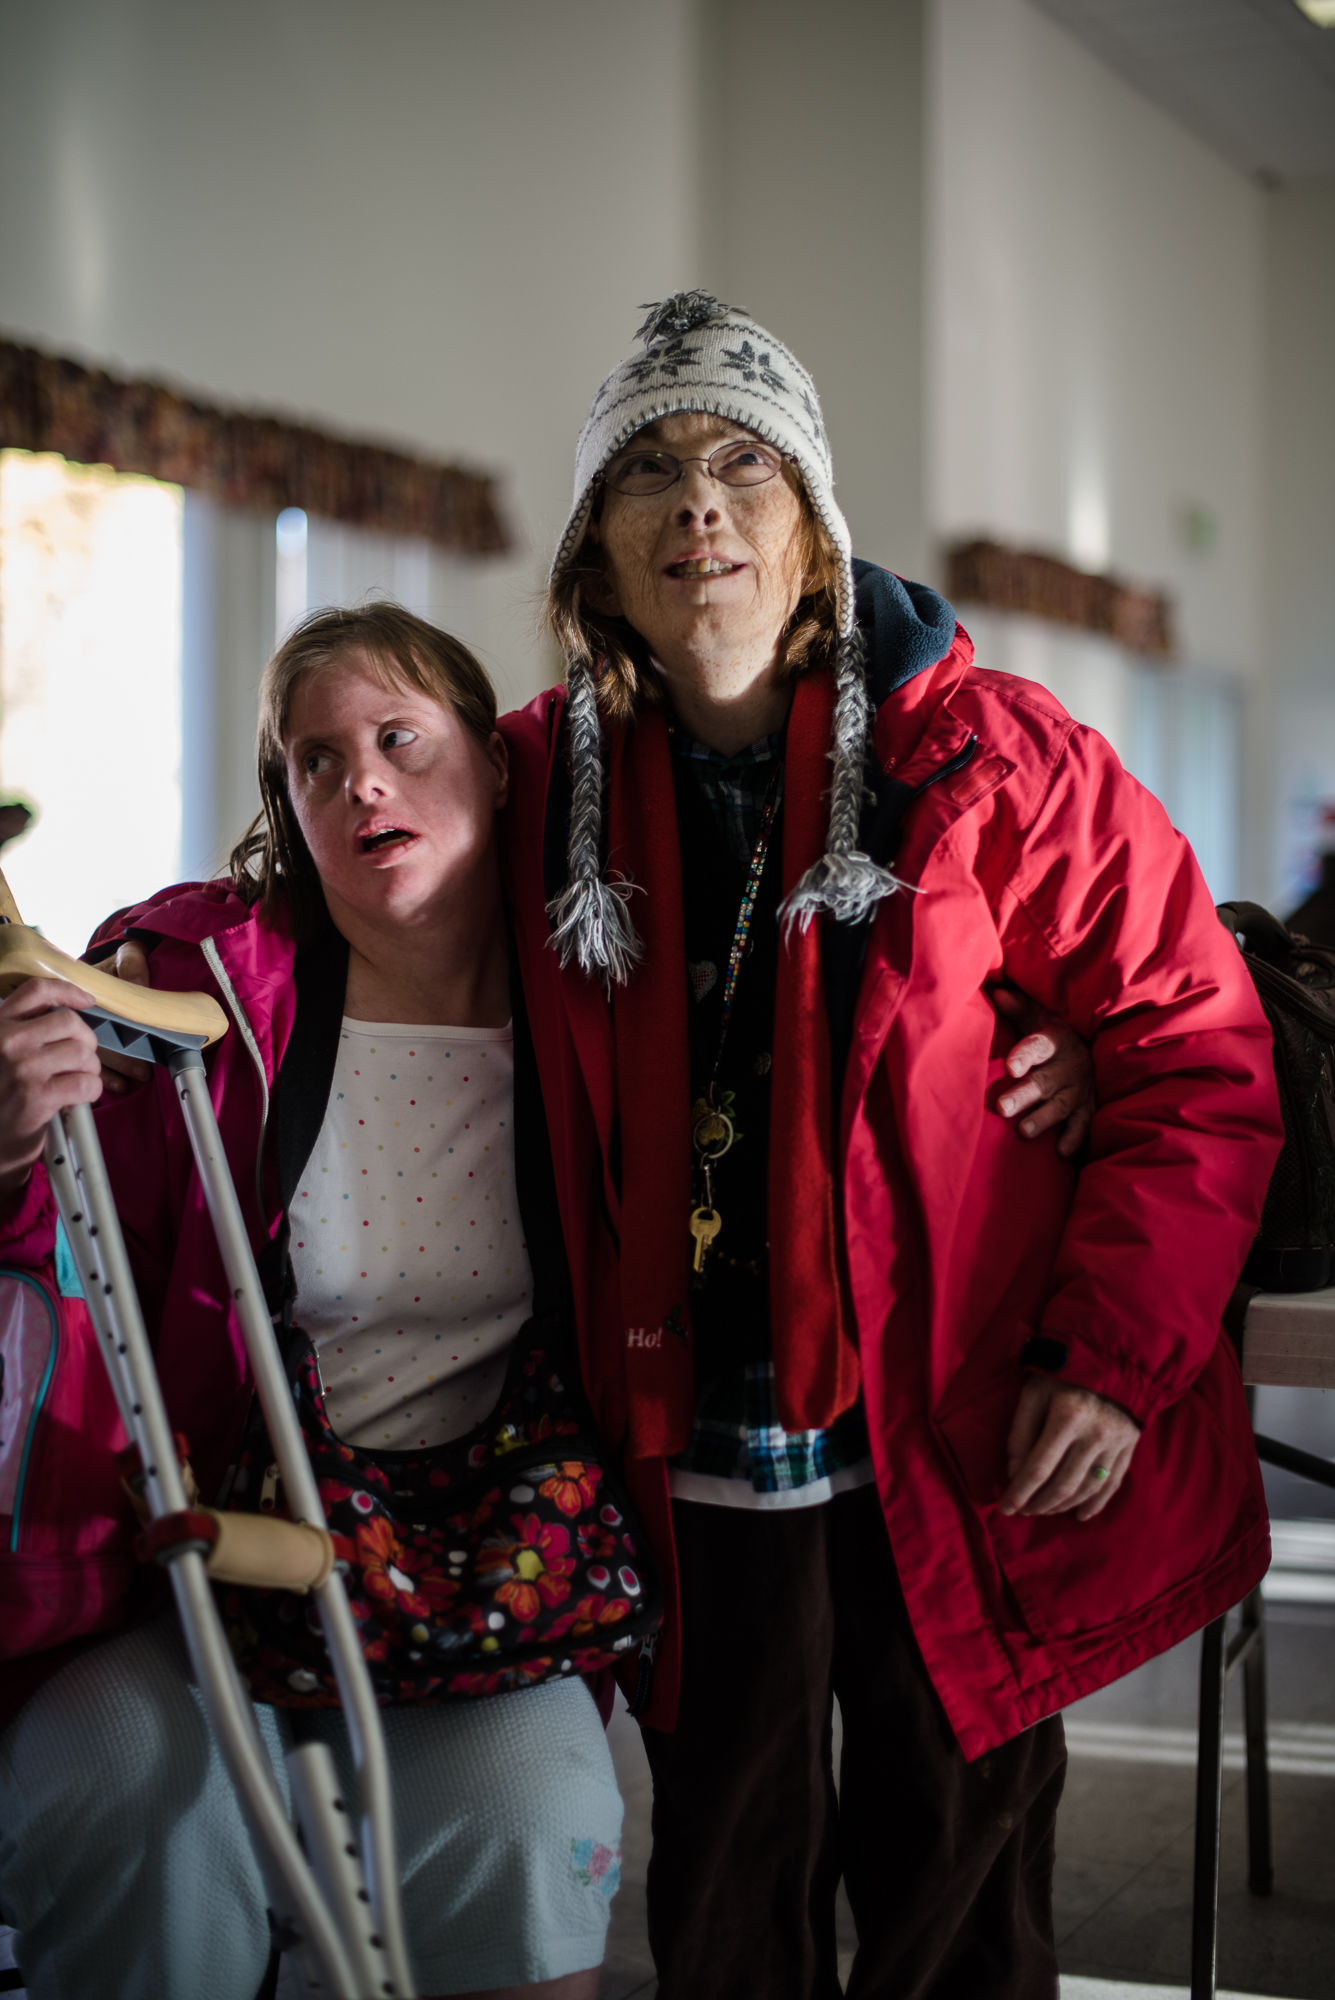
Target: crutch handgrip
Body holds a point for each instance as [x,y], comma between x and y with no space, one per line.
[252,1549]
[129,1012]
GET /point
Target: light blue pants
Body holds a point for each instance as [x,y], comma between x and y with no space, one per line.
[127,1872]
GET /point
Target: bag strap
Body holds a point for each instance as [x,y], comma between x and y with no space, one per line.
[306,1075]
[301,1095]
[535,1173]
[1271,952]
[1263,933]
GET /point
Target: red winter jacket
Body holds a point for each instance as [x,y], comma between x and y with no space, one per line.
[1043,863]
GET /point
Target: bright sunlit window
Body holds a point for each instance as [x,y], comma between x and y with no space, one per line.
[90,695]
[290,581]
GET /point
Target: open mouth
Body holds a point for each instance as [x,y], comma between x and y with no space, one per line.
[387,836]
[703,566]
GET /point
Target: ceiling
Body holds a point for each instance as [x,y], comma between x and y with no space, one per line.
[1254,78]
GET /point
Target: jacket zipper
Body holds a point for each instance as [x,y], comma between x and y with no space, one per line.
[639,1701]
[50,1369]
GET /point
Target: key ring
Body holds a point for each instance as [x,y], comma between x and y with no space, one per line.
[709,1144]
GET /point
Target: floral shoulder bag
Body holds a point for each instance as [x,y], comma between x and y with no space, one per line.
[503,1558]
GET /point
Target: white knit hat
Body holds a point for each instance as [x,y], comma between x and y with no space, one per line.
[705,357]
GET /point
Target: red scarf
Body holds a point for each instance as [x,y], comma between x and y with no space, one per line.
[815,1357]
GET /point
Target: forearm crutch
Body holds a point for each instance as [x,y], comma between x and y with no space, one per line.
[337,1903]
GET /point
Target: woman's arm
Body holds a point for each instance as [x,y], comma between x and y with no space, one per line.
[1069,1449]
[1107,920]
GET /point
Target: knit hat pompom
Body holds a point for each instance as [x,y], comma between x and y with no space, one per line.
[682,313]
[701,356]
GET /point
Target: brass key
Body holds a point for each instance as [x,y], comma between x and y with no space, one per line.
[705,1226]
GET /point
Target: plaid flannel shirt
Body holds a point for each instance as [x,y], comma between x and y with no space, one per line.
[736,1433]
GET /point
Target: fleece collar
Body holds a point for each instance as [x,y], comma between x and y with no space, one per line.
[908,628]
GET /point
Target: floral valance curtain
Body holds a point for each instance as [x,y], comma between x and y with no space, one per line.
[49,404]
[1020,580]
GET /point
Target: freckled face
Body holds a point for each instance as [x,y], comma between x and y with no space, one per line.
[396,798]
[704,566]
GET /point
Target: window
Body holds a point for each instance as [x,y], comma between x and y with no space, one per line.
[90,693]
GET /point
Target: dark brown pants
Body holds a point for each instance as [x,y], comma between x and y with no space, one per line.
[948,1864]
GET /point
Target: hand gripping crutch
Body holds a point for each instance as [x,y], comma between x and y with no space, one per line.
[339,1901]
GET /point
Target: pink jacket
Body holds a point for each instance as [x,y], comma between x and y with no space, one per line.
[66,1566]
[1043,863]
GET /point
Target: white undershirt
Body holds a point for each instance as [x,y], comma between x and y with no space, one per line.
[412,1273]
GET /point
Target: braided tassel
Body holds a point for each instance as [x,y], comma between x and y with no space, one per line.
[845,883]
[591,923]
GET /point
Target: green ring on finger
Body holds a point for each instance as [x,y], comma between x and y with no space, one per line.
[1098,1471]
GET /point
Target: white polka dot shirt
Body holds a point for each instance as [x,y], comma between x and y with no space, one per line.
[412,1274]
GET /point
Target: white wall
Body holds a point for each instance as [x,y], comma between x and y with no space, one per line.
[811,216]
[1095,359]
[1299,636]
[424,220]
[1034,306]
[1095,362]
[433,222]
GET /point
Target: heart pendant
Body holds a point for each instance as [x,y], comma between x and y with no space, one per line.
[704,976]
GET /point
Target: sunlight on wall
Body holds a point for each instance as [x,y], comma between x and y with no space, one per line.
[90,703]
[1088,531]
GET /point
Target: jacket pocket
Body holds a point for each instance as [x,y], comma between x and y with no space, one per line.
[50,1599]
[1192,1493]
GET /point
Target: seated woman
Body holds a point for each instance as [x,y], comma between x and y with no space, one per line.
[124,1865]
[921,1418]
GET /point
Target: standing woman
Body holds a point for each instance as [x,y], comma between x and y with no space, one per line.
[360,949]
[919,1416]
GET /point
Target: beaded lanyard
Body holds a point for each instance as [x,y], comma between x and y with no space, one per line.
[712,1131]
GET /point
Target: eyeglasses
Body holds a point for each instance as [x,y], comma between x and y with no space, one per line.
[739,462]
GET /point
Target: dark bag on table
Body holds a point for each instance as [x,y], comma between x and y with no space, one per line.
[1294,1249]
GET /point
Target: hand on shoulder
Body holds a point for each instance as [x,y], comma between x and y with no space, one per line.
[1053,1071]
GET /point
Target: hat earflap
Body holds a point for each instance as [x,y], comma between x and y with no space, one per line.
[591,923]
[845,883]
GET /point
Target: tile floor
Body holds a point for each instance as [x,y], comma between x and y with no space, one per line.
[1124,1838]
